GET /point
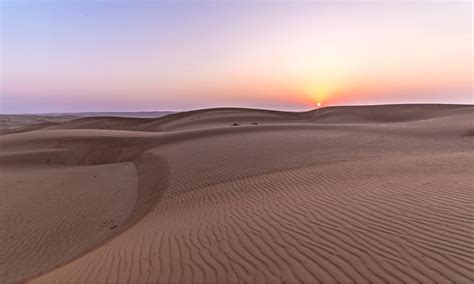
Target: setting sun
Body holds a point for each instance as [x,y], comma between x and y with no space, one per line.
[289,55]
[319,93]
[236,141]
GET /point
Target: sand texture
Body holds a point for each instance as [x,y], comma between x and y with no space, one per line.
[361,194]
[15,123]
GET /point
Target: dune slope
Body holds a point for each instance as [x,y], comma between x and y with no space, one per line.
[379,194]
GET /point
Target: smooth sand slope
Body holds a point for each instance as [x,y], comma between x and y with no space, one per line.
[376,194]
[15,123]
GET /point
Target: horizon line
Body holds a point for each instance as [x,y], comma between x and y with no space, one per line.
[229,107]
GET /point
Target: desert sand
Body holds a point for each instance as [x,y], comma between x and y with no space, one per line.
[360,194]
[14,123]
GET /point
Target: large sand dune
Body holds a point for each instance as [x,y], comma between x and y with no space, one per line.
[363,194]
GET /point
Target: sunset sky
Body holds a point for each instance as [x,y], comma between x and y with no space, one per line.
[70,56]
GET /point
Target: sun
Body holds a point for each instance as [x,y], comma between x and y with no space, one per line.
[319,93]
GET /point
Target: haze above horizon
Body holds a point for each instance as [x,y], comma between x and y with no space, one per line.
[86,56]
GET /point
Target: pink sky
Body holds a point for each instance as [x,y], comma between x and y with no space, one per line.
[65,56]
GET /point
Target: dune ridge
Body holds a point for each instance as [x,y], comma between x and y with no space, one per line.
[335,195]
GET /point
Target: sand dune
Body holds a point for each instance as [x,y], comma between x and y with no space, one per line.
[360,194]
[27,122]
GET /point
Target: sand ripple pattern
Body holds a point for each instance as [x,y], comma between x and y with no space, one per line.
[346,204]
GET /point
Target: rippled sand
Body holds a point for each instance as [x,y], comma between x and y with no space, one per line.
[335,195]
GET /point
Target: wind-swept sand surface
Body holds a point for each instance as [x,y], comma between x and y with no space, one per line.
[336,195]
[14,123]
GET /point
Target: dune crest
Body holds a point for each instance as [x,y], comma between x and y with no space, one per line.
[354,194]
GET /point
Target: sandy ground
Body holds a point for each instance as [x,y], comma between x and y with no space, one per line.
[376,194]
[14,123]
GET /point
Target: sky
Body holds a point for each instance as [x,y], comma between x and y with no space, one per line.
[73,56]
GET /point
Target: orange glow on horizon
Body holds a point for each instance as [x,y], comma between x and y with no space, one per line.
[317,94]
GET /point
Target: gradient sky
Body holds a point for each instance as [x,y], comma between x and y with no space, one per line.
[68,56]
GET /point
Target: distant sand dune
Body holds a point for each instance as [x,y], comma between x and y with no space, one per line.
[362,194]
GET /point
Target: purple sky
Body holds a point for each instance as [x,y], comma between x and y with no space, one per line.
[70,56]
